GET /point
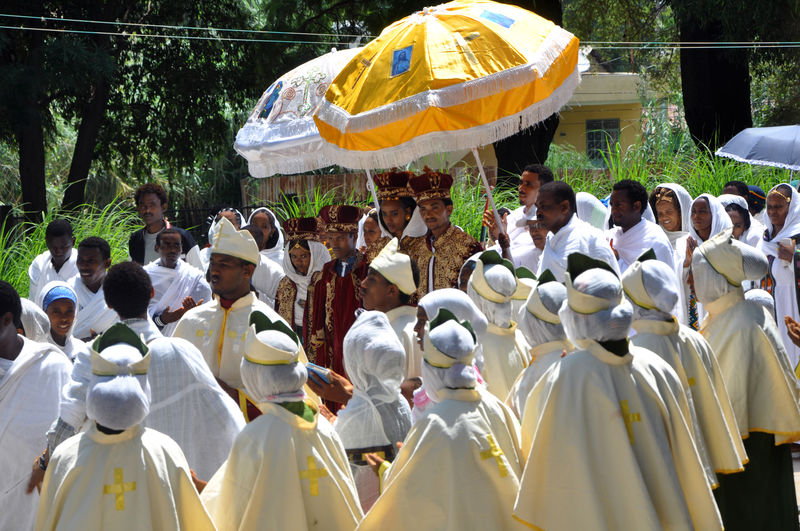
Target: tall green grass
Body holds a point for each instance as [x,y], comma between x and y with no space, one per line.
[21,244]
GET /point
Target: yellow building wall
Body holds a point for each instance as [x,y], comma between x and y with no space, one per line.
[572,125]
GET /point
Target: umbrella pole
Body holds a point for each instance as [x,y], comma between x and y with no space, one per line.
[488,189]
[371,187]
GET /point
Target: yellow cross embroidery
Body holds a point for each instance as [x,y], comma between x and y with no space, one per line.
[118,489]
[497,453]
[629,418]
[692,381]
[312,475]
[201,333]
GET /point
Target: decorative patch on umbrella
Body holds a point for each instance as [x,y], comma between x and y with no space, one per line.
[274,91]
[497,18]
[401,60]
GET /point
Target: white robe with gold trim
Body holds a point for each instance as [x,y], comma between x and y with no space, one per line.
[542,357]
[137,479]
[449,475]
[503,359]
[761,385]
[284,473]
[690,355]
[611,448]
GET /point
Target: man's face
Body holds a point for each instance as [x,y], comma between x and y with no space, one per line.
[169,249]
[528,188]
[342,244]
[538,233]
[263,222]
[376,291]
[229,276]
[60,248]
[150,208]
[624,213]
[91,265]
[435,214]
[394,216]
[551,214]
[61,313]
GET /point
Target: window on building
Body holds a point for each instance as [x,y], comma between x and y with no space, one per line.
[601,137]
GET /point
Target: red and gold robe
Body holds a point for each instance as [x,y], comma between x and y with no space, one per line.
[442,256]
[330,311]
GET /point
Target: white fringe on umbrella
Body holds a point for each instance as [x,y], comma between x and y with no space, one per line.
[793,167]
[441,141]
[549,52]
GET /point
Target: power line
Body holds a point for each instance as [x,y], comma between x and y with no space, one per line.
[193,28]
[176,37]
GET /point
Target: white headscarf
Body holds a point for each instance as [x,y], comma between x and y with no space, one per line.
[685,203]
[605,325]
[319,257]
[274,383]
[416,226]
[457,302]
[592,210]
[374,358]
[274,252]
[536,331]
[501,281]
[720,220]
[454,341]
[122,401]
[660,291]
[35,322]
[791,226]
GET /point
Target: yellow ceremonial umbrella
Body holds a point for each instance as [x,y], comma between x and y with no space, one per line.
[455,76]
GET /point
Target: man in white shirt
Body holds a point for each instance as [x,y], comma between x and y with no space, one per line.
[556,210]
[57,262]
[177,285]
[93,316]
[633,234]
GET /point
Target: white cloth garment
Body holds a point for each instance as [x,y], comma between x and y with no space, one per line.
[41,271]
[171,286]
[188,404]
[34,321]
[519,235]
[275,251]
[574,237]
[592,210]
[678,240]
[377,414]
[319,257]
[632,243]
[784,290]
[402,319]
[92,313]
[266,277]
[29,398]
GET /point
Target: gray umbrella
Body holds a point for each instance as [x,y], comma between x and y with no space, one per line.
[766,146]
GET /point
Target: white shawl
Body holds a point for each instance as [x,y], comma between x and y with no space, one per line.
[92,312]
[720,220]
[171,286]
[274,252]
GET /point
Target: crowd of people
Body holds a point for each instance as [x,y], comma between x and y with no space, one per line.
[617,363]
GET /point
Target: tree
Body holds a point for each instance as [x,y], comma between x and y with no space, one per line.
[134,100]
